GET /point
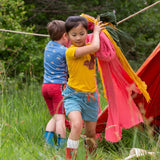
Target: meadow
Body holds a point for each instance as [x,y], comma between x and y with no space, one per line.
[24,115]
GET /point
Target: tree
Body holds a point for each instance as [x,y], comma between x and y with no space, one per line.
[21,55]
[144,27]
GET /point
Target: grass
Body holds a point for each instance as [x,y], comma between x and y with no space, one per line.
[23,118]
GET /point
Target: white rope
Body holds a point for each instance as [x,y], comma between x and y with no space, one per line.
[138,12]
[44,35]
[34,34]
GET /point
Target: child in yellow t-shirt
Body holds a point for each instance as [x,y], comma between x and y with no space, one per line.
[80,97]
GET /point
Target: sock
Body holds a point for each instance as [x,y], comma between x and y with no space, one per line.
[61,141]
[72,143]
[49,137]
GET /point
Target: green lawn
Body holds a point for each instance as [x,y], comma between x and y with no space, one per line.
[23,118]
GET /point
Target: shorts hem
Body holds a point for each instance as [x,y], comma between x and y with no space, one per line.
[72,111]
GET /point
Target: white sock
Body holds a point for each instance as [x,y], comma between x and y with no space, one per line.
[72,143]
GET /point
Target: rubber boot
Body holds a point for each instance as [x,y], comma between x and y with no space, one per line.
[61,141]
[71,154]
[49,136]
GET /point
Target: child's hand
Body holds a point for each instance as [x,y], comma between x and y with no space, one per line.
[98,26]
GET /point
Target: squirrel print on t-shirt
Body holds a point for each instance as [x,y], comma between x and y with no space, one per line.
[90,64]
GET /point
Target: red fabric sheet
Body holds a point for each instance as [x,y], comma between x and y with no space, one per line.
[150,73]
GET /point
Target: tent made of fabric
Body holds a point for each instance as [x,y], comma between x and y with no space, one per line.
[150,73]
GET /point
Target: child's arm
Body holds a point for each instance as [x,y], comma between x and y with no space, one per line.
[94,46]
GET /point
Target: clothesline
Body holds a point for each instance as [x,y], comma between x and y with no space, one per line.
[138,12]
[34,34]
[44,35]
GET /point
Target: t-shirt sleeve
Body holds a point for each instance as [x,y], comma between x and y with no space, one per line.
[70,52]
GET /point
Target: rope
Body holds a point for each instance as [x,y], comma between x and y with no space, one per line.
[34,34]
[43,35]
[138,12]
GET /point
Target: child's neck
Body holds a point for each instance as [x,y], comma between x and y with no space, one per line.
[60,42]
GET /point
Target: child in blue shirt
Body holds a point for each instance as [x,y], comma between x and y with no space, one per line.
[55,76]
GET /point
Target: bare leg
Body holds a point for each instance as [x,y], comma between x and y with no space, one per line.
[51,126]
[90,132]
[60,125]
[76,125]
[49,133]
[73,139]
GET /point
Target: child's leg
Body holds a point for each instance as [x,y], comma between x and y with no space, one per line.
[60,129]
[50,130]
[90,141]
[53,98]
[60,125]
[76,124]
[51,125]
[76,129]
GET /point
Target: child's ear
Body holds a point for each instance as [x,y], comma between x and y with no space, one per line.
[65,35]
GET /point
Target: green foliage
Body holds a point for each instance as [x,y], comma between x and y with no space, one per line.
[144,27]
[21,54]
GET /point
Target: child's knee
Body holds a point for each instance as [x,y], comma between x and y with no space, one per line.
[76,125]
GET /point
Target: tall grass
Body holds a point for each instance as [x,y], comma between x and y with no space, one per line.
[23,118]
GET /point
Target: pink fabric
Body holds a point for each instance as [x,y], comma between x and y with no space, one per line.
[122,111]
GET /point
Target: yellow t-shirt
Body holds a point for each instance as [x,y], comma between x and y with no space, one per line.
[81,71]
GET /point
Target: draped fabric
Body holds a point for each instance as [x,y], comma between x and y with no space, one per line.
[122,111]
[150,73]
[118,86]
[140,84]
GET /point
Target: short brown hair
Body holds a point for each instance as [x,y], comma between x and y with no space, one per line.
[56,29]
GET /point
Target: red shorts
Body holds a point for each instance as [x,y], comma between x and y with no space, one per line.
[53,96]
